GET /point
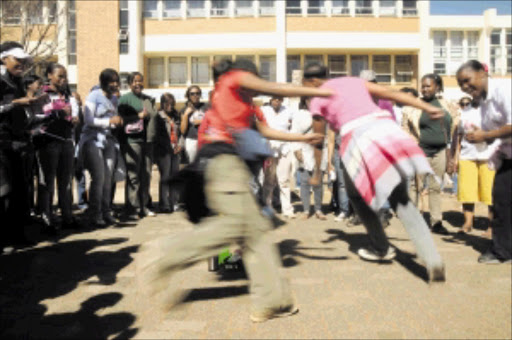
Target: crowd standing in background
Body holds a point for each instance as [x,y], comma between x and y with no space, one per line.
[345,129]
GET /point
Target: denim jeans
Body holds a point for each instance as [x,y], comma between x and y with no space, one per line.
[101,165]
[305,189]
[56,161]
[343,201]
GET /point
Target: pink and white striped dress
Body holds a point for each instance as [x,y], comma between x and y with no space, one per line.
[377,154]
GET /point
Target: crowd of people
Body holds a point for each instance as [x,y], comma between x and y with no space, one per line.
[378,150]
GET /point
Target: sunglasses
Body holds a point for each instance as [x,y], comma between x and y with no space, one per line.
[194,94]
[464,104]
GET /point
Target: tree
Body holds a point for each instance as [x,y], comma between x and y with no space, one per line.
[36,25]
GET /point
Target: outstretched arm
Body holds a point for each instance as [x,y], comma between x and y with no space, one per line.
[269,133]
[252,82]
[403,98]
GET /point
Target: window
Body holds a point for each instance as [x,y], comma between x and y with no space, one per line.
[316,7]
[150,9]
[268,67]
[123,25]
[409,8]
[340,7]
[456,38]
[357,64]
[440,68]
[364,7]
[267,7]
[11,12]
[196,8]
[246,57]
[52,11]
[293,7]
[217,58]
[123,81]
[472,39]
[403,68]
[200,70]
[177,70]
[220,8]
[172,9]
[292,63]
[508,43]
[35,12]
[315,58]
[71,33]
[387,7]
[382,68]
[337,65]
[495,66]
[440,44]
[244,8]
[156,72]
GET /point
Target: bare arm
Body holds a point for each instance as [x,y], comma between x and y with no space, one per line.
[331,136]
[480,135]
[319,124]
[270,133]
[403,98]
[251,82]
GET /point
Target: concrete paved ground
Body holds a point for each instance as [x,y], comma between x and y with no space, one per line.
[87,284]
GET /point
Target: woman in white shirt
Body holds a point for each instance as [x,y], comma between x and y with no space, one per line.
[470,159]
[495,98]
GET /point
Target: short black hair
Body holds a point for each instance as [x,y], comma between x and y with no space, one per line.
[475,65]
[315,70]
[410,90]
[131,76]
[436,78]
[107,76]
[8,45]
[226,65]
[30,79]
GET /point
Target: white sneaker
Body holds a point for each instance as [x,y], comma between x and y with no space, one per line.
[341,217]
[370,254]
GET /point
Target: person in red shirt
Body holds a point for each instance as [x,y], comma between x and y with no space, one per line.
[227,189]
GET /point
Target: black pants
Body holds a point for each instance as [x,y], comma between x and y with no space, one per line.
[139,160]
[502,223]
[56,160]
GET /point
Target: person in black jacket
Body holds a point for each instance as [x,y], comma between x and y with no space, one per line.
[16,149]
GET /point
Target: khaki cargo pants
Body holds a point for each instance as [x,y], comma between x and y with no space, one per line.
[240,221]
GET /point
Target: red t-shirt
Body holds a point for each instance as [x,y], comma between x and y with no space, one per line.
[231,109]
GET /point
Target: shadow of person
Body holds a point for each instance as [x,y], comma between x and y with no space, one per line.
[478,243]
[36,274]
[356,241]
[85,323]
[291,252]
[214,293]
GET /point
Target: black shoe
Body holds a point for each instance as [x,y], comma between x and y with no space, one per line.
[166,210]
[71,224]
[109,219]
[490,258]
[48,227]
[99,223]
[439,228]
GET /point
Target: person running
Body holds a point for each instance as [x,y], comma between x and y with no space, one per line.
[378,157]
[238,217]
[495,98]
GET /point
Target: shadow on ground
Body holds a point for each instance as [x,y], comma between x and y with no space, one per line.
[291,253]
[456,219]
[356,241]
[30,276]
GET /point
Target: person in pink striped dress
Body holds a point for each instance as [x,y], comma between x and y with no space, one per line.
[378,157]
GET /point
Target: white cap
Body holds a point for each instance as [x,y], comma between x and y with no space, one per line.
[17,53]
